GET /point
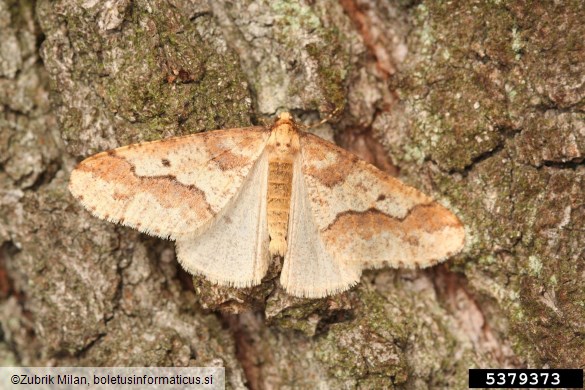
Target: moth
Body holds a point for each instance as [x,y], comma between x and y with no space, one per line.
[235,199]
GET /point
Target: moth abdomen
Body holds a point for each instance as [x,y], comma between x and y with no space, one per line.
[278,204]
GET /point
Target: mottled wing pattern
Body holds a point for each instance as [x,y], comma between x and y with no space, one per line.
[171,188]
[366,218]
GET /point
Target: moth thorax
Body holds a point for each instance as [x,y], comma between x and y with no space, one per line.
[284,142]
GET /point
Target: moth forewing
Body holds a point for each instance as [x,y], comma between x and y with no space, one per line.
[367,217]
[169,188]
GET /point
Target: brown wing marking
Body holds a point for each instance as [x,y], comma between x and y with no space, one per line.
[172,187]
[367,217]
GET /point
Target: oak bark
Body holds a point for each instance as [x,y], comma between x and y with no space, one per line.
[481,105]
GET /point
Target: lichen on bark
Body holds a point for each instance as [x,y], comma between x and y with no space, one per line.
[492,103]
[480,105]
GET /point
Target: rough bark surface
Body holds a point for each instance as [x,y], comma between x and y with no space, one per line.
[481,104]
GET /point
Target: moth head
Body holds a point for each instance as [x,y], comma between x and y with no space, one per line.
[284,139]
[285,117]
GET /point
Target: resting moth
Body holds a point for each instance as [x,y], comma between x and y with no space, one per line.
[234,199]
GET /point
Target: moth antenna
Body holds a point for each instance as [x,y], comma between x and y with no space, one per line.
[324,120]
[265,122]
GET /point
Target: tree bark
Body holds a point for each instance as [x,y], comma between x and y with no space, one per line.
[480,105]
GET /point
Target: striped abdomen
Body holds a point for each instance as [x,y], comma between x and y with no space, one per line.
[279,192]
